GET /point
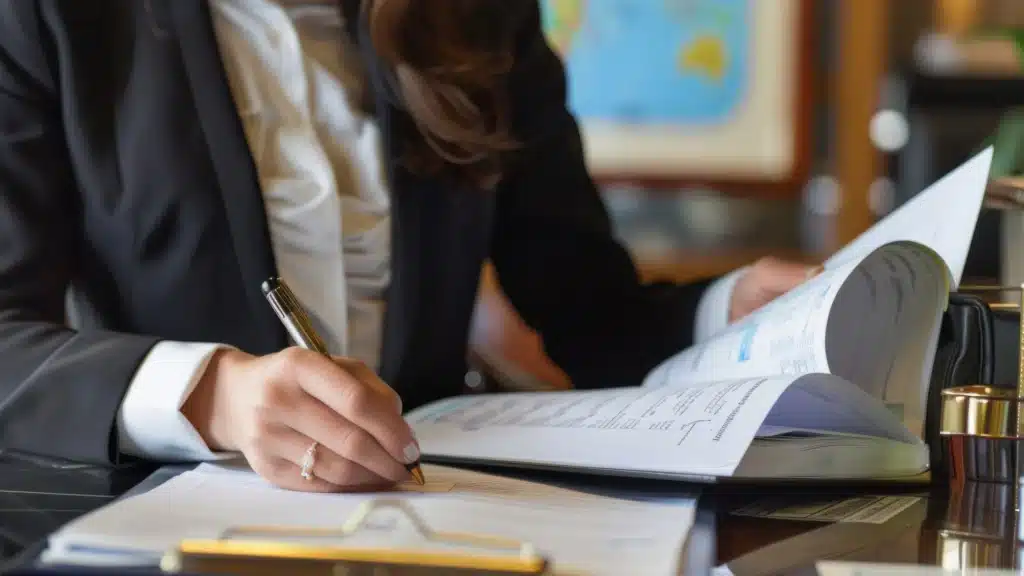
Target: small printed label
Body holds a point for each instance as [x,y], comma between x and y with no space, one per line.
[863,509]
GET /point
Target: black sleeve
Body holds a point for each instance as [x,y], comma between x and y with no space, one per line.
[59,389]
[554,250]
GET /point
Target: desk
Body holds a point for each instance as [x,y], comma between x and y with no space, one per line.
[968,529]
[35,500]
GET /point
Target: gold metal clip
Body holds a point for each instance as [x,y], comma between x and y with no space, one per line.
[277,550]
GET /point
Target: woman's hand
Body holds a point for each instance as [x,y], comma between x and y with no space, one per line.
[765,281]
[272,408]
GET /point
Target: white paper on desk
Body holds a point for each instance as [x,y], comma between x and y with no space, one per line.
[873,569]
[592,534]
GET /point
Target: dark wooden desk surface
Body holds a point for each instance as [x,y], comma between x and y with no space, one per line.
[972,528]
[957,530]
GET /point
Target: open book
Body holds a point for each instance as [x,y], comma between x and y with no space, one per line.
[827,382]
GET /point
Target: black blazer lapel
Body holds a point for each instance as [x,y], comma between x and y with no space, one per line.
[232,160]
[351,11]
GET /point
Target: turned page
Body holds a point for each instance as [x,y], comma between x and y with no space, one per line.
[882,330]
[941,217]
[871,323]
[919,252]
[871,317]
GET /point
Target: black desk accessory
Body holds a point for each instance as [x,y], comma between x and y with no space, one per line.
[971,420]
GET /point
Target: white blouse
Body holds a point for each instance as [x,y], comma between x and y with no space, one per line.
[320,170]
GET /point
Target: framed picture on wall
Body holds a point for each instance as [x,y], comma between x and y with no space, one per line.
[682,93]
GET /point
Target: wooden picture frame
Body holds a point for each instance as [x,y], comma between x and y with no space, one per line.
[761,147]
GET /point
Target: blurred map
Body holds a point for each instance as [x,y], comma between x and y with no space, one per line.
[652,61]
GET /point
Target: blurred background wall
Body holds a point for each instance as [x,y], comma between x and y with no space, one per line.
[900,92]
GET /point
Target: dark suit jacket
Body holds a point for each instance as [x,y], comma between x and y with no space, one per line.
[126,178]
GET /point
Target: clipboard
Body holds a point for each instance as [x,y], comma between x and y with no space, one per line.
[263,550]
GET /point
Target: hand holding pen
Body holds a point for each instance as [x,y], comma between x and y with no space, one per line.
[304,420]
[289,311]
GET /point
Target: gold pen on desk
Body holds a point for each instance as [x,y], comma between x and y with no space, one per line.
[290,312]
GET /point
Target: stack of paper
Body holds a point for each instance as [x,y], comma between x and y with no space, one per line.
[578,532]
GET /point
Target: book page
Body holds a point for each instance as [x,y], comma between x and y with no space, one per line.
[692,433]
[882,328]
[696,432]
[578,532]
[827,404]
[873,322]
[785,337]
[942,217]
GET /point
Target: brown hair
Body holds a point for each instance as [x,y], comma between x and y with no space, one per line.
[450,61]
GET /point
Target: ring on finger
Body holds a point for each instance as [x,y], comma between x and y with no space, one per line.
[309,461]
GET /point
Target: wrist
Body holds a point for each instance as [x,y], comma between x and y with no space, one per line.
[208,406]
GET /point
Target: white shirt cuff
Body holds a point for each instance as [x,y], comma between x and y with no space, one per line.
[713,309]
[150,423]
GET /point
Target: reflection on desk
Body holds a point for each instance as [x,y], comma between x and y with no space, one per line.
[37,497]
[969,529]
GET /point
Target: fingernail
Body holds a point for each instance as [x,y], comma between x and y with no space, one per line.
[411,452]
[399,404]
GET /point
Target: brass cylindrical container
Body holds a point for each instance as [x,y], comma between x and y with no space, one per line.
[978,428]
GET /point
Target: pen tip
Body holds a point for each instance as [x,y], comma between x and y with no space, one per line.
[417,474]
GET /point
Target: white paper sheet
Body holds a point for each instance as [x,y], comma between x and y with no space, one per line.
[942,217]
[699,431]
[785,337]
[577,531]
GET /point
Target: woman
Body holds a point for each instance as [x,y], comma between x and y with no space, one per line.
[159,160]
